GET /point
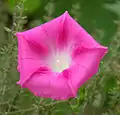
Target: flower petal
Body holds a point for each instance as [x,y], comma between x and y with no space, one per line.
[29,58]
[49,85]
[85,65]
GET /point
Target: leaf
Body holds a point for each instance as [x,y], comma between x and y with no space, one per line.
[99,97]
[108,82]
[7,29]
[97,100]
[35,23]
[30,5]
[113,7]
[89,110]
[59,112]
[62,109]
[25,100]
[62,106]
[102,19]
[2,34]
[62,5]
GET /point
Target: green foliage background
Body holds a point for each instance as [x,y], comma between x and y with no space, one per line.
[100,95]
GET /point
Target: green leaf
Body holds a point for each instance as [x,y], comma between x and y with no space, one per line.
[59,112]
[62,109]
[30,5]
[62,106]
[114,7]
[7,29]
[35,23]
[99,98]
[108,82]
[62,5]
[89,110]
[102,19]
[24,101]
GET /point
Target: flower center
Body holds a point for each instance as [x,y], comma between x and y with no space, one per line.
[60,61]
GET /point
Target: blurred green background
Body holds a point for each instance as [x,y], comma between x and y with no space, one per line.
[100,95]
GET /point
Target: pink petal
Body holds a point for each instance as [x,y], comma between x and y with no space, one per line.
[49,85]
[85,65]
[29,59]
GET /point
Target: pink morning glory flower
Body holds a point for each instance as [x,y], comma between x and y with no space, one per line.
[56,58]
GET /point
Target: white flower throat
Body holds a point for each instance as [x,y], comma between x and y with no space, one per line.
[60,61]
